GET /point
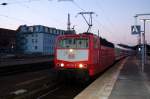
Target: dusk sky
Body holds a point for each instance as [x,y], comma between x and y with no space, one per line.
[113,18]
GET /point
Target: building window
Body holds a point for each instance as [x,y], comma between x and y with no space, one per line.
[54,31]
[37,29]
[36,47]
[41,29]
[36,40]
[50,30]
[23,29]
[46,29]
[30,29]
[32,40]
[57,31]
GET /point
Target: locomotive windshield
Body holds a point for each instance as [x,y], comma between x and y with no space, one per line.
[74,43]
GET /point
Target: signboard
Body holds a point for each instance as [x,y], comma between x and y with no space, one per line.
[135,29]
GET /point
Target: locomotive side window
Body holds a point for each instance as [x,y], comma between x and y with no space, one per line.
[74,43]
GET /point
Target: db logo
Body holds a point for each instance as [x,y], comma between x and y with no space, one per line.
[71,56]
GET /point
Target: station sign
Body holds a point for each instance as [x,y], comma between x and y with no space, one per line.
[135,29]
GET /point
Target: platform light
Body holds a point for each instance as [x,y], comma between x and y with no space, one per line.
[145,20]
[139,49]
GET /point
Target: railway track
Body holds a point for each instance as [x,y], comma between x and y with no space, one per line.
[39,92]
[65,90]
[41,84]
[26,84]
[50,90]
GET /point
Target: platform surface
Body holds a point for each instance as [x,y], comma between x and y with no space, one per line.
[132,83]
[22,61]
[125,80]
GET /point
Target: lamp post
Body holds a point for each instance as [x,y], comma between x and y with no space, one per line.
[144,41]
[143,36]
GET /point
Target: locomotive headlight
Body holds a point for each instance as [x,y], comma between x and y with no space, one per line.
[80,65]
[62,65]
[70,50]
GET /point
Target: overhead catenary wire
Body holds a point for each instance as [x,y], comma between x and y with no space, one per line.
[98,22]
[16,19]
[18,2]
[107,18]
[36,12]
[104,14]
[25,5]
[78,6]
[24,2]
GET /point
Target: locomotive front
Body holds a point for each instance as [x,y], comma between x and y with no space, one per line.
[72,54]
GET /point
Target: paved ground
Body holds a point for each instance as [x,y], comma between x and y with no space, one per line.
[132,83]
[102,86]
[123,81]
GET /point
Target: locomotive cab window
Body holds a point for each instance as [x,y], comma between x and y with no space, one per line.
[74,43]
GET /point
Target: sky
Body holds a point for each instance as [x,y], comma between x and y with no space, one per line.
[113,18]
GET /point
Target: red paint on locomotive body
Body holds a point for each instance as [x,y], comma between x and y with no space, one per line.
[84,52]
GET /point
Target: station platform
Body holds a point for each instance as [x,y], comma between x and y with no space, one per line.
[22,61]
[125,80]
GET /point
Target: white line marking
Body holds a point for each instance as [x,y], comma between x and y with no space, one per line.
[102,87]
[20,91]
[30,81]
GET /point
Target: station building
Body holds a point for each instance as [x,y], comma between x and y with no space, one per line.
[37,39]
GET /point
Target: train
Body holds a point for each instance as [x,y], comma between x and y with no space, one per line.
[83,55]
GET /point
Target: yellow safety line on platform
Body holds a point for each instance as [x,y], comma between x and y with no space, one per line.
[102,87]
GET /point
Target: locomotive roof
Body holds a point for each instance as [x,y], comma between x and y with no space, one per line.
[106,43]
[103,41]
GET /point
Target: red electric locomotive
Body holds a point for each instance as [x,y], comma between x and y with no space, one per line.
[83,55]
